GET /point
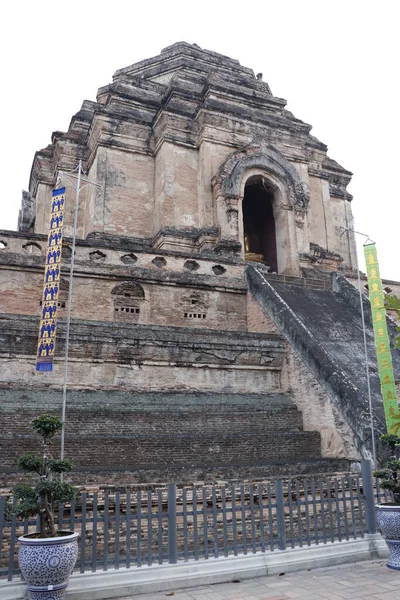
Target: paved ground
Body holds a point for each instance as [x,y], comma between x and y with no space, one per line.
[370,579]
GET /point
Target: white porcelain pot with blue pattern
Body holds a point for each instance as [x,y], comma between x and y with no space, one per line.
[47,563]
[388,517]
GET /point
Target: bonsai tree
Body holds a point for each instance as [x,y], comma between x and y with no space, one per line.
[49,489]
[389,477]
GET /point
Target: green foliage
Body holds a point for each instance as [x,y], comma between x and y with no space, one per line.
[47,426]
[23,491]
[393,464]
[60,466]
[30,463]
[56,491]
[389,477]
[381,474]
[28,504]
[389,484]
[27,509]
[41,498]
[8,511]
[392,302]
[393,441]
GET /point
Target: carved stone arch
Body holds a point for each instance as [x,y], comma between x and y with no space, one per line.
[289,196]
[228,181]
[32,248]
[128,289]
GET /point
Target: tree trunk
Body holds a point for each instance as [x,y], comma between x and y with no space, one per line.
[50,520]
[42,515]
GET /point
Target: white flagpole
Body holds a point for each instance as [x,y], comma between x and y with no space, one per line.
[371,416]
[79,178]
[71,272]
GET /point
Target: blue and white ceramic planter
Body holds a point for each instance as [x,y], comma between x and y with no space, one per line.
[388,517]
[47,563]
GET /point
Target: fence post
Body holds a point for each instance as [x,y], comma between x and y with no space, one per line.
[172,550]
[368,489]
[280,514]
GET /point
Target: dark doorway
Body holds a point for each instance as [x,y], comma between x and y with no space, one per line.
[259,223]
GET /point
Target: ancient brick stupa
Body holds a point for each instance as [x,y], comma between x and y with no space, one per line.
[215,327]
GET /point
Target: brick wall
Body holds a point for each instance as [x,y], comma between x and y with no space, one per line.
[136,357]
[160,432]
[173,294]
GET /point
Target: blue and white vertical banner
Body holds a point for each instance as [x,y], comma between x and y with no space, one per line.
[51,285]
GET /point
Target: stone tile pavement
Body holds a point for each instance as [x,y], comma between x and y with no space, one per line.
[369,580]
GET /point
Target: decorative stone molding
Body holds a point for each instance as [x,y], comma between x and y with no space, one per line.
[320,256]
[227,183]
[300,217]
[188,240]
[299,194]
[228,248]
[26,216]
[233,219]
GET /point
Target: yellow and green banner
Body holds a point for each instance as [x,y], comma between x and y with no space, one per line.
[51,285]
[382,342]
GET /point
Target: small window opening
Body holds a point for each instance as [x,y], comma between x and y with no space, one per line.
[97,255]
[218,270]
[159,261]
[32,248]
[129,259]
[128,309]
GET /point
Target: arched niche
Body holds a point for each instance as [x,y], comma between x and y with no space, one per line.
[259,227]
[32,248]
[285,194]
[128,298]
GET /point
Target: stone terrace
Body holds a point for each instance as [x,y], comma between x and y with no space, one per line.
[366,580]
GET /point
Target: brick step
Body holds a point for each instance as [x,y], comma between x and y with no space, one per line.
[119,451]
[138,414]
[14,399]
[149,422]
[161,432]
[196,473]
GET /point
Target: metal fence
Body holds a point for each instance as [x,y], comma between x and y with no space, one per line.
[305,282]
[173,523]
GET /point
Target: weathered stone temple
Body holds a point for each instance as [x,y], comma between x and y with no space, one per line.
[216,331]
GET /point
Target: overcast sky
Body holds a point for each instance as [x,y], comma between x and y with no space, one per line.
[335,62]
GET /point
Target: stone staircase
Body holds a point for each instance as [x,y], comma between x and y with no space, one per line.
[324,328]
[116,437]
